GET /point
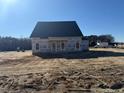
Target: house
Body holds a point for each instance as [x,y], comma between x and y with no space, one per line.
[120,45]
[102,44]
[57,37]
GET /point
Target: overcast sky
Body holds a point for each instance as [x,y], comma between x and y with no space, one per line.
[18,17]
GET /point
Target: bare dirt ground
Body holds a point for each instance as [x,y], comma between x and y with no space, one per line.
[96,71]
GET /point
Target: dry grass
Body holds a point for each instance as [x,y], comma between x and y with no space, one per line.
[31,74]
[14,55]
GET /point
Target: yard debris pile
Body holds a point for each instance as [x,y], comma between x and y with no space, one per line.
[67,81]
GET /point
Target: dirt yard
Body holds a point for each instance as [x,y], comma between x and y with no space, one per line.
[96,71]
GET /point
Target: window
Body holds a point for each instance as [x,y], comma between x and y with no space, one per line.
[63,45]
[77,45]
[37,46]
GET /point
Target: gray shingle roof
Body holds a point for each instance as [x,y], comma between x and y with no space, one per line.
[56,29]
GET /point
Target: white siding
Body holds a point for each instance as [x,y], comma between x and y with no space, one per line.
[85,45]
[70,44]
[43,44]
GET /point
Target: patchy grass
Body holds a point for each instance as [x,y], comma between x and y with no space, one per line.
[20,72]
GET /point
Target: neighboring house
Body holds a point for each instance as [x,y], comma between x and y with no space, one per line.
[120,45]
[57,37]
[109,45]
[102,44]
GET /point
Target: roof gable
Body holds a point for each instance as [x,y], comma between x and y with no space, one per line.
[56,29]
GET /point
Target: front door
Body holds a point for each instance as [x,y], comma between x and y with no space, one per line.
[57,46]
[53,48]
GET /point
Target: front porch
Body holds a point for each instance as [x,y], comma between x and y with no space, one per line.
[57,45]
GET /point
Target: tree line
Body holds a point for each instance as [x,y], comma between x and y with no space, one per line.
[93,39]
[11,43]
